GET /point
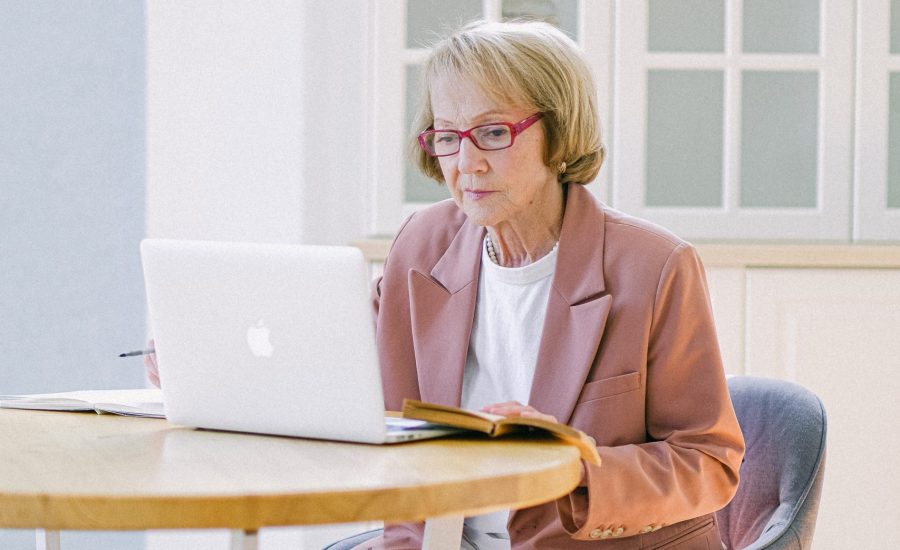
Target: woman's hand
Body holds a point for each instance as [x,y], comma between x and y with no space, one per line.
[514,408]
[151,366]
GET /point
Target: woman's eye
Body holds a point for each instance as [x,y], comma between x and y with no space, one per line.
[494,132]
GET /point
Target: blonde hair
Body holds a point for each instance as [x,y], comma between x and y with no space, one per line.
[529,64]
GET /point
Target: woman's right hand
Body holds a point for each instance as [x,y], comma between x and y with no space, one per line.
[151,366]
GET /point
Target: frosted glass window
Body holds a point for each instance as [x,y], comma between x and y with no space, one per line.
[894,144]
[781,26]
[684,138]
[562,13]
[686,26]
[428,20]
[779,133]
[895,26]
[418,188]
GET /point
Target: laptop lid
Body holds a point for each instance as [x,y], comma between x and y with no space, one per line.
[265,338]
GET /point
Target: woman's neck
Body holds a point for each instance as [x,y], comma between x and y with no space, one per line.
[519,243]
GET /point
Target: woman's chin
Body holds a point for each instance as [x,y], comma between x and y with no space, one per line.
[480,216]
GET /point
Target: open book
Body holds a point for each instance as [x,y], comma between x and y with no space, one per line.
[142,402]
[494,425]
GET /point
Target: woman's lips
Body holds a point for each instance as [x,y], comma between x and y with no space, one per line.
[476,194]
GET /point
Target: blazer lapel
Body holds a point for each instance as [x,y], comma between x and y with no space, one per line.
[577,309]
[442,306]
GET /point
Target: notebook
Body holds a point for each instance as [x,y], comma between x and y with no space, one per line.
[272,339]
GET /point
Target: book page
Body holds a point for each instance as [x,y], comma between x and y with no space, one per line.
[142,402]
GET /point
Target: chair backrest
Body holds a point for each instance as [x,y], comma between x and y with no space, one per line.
[784,426]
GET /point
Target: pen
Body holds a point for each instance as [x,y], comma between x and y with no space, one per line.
[137,352]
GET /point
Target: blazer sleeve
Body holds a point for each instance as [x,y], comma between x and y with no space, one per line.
[689,466]
[375,295]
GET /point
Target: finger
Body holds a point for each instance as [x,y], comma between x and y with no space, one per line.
[150,363]
[154,379]
[503,404]
[512,410]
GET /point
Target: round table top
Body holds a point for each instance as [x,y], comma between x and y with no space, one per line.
[61,470]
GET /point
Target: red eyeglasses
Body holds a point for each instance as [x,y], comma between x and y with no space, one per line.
[487,137]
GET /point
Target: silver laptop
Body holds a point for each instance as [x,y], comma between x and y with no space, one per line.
[274,339]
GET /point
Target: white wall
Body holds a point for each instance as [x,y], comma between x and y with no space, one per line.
[71,206]
[256,120]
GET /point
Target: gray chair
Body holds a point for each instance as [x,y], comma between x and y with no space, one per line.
[350,542]
[777,501]
[781,478]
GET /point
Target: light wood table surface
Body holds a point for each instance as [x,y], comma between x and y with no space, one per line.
[85,471]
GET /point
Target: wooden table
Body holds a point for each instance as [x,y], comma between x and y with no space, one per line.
[84,471]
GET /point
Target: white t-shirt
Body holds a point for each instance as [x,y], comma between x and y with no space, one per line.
[503,348]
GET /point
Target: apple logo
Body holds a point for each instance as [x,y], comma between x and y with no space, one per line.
[258,340]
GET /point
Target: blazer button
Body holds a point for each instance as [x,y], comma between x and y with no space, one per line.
[658,527]
[618,532]
[646,529]
[606,534]
[596,534]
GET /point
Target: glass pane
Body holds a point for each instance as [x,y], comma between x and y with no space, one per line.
[781,26]
[686,26]
[418,188]
[427,20]
[895,26]
[562,13]
[893,200]
[779,133]
[684,138]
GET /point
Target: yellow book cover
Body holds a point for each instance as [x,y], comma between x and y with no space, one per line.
[495,426]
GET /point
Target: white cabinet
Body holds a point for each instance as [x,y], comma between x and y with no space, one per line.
[836,332]
[727,293]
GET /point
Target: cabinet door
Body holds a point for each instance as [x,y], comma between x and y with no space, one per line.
[733,119]
[727,293]
[877,178]
[836,332]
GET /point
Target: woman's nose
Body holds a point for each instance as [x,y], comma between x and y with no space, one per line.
[470,159]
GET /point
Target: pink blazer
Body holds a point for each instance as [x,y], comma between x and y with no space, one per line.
[629,355]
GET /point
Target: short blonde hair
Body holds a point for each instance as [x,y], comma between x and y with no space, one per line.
[529,64]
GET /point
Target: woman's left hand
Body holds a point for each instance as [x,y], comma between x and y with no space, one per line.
[514,408]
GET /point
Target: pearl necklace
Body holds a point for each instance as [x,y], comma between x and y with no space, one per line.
[492,253]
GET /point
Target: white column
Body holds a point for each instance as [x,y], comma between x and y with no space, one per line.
[256,120]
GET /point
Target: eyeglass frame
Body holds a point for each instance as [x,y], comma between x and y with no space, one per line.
[515,130]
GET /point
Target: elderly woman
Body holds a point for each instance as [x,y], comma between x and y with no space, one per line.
[524,295]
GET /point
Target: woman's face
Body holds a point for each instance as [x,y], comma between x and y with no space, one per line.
[493,187]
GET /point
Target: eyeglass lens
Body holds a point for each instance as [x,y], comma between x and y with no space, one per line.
[490,137]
